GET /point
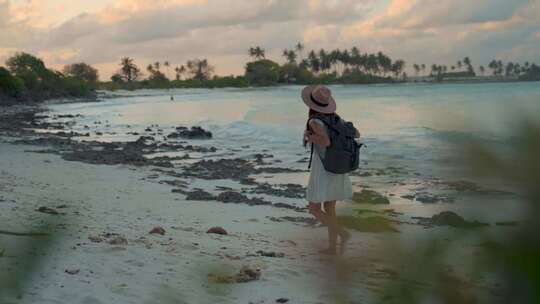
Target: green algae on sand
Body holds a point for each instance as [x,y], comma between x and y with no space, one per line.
[367,224]
[370,197]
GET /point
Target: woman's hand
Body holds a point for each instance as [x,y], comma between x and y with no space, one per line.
[318,134]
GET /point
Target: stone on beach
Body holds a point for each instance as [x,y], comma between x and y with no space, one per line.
[448,218]
[95,239]
[157,230]
[48,210]
[217,230]
[238,198]
[270,254]
[72,271]
[119,241]
[193,133]
[246,274]
[200,195]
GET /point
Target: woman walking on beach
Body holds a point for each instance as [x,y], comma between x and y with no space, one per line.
[324,188]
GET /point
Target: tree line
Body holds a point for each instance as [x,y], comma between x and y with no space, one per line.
[26,77]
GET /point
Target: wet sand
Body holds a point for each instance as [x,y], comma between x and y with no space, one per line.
[105,253]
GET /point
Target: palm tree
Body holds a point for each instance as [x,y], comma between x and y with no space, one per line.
[517,69]
[200,69]
[177,73]
[345,58]
[459,65]
[325,60]
[300,48]
[453,68]
[434,68]
[166,64]
[385,63]
[314,62]
[493,66]
[129,70]
[156,65]
[181,71]
[257,52]
[467,61]
[397,67]
[423,67]
[355,58]
[290,55]
[509,70]
[482,70]
[416,68]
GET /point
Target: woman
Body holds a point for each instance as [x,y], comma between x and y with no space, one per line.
[324,187]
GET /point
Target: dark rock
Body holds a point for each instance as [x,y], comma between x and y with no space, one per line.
[48,210]
[247,274]
[259,158]
[428,198]
[157,230]
[249,181]
[288,206]
[449,218]
[271,254]
[238,198]
[200,195]
[72,271]
[235,169]
[118,241]
[282,300]
[95,239]
[232,197]
[193,133]
[408,196]
[217,230]
[295,219]
[286,190]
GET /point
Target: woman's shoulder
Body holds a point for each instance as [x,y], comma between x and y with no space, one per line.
[316,120]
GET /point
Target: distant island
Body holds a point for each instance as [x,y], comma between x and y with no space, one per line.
[26,78]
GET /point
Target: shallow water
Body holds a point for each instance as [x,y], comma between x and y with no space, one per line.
[418,128]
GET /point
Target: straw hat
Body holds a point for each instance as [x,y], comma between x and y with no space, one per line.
[319,98]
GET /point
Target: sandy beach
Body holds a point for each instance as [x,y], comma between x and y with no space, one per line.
[101,202]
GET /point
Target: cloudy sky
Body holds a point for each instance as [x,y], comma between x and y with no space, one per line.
[100,32]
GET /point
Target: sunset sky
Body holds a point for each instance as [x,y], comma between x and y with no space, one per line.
[100,32]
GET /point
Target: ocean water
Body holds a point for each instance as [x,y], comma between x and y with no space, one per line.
[418,128]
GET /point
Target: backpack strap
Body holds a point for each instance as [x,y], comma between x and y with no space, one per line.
[310,157]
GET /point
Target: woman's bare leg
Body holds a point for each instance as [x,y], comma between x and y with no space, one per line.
[337,229]
[316,210]
[331,219]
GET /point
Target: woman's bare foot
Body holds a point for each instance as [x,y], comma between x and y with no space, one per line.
[329,251]
[345,236]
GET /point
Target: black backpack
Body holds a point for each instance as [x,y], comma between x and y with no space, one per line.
[343,153]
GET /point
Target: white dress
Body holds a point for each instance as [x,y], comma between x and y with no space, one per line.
[324,186]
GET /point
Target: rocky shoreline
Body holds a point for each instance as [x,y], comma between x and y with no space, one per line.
[153,221]
[20,124]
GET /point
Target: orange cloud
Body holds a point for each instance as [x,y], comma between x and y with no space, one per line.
[399,7]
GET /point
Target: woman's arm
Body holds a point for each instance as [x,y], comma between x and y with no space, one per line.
[318,134]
